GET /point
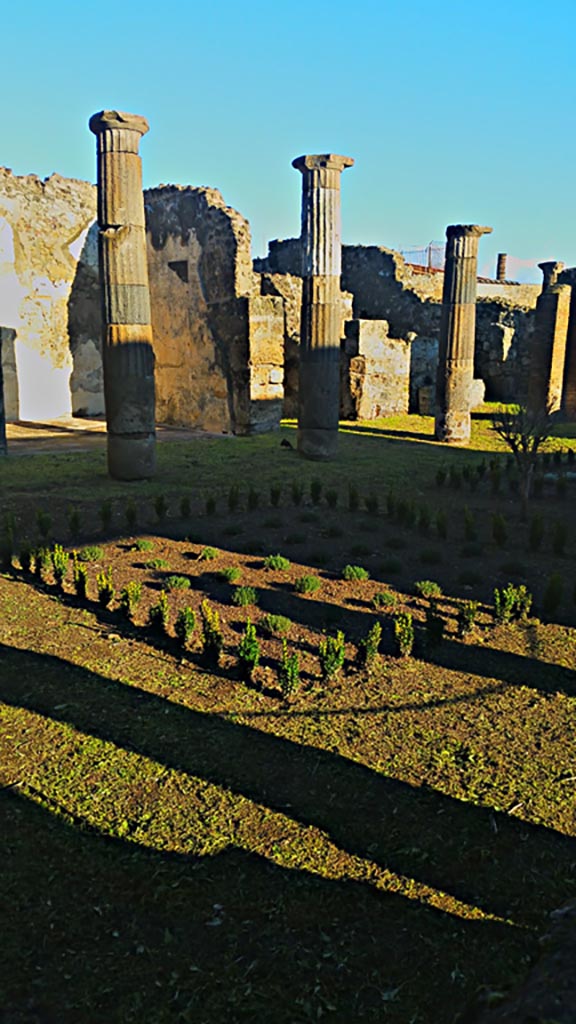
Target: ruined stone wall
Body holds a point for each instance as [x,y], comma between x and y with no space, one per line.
[385,288]
[218,341]
[43,225]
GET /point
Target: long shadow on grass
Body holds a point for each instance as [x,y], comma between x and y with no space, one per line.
[99,929]
[481,856]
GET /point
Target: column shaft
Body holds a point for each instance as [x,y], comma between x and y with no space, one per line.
[128,356]
[321,318]
[3,448]
[548,347]
[457,334]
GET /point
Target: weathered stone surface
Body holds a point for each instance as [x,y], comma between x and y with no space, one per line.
[42,228]
[375,371]
[457,334]
[548,348]
[218,341]
[321,250]
[128,354]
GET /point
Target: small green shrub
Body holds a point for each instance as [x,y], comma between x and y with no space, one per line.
[499,530]
[297,492]
[142,545]
[41,561]
[253,499]
[391,503]
[371,503]
[210,505]
[231,574]
[277,562]
[131,516]
[92,553]
[428,589]
[74,521]
[159,614]
[470,531]
[369,647]
[495,479]
[512,602]
[244,596]
[288,671]
[160,507]
[434,625]
[355,572]
[384,601]
[353,498]
[315,491]
[233,498]
[105,588]
[307,584]
[156,563]
[561,486]
[185,507]
[79,578]
[275,625]
[424,519]
[43,523]
[331,652]
[184,626]
[207,555]
[275,495]
[212,639]
[105,515]
[130,597]
[248,652]
[467,615]
[455,478]
[553,594]
[404,634]
[177,583]
[60,560]
[332,498]
[441,475]
[25,557]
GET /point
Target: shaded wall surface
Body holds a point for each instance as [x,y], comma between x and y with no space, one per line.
[384,288]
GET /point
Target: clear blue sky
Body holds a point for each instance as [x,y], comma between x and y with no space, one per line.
[455,111]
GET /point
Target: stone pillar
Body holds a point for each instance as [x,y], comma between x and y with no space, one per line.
[321,320]
[501,266]
[457,333]
[128,356]
[548,346]
[569,388]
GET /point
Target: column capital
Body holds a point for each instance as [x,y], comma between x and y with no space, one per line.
[550,270]
[467,231]
[321,162]
[117,120]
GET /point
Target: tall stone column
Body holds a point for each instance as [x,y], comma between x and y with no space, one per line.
[128,356]
[321,322]
[457,333]
[548,346]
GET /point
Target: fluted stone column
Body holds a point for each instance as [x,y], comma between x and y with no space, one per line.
[457,333]
[321,321]
[548,347]
[128,356]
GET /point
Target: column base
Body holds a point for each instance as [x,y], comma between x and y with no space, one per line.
[453,427]
[320,445]
[131,458]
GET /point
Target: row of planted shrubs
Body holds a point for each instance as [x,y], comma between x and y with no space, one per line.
[498,470]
